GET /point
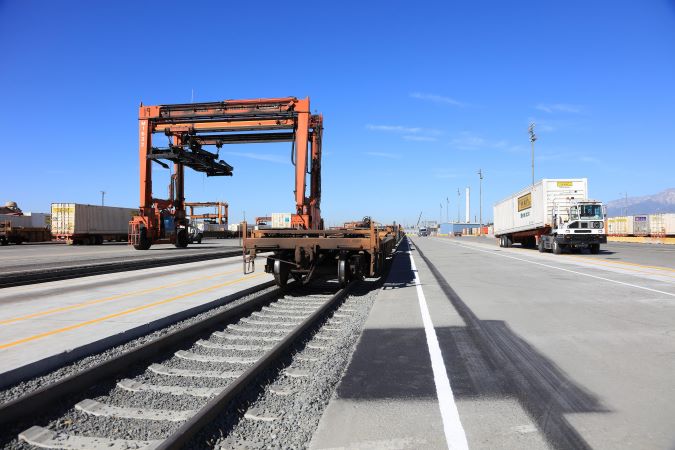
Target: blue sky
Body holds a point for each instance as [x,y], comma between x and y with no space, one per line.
[416,98]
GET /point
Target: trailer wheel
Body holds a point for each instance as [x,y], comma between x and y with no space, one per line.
[344,274]
[507,241]
[595,249]
[557,249]
[541,247]
[501,241]
[3,242]
[280,273]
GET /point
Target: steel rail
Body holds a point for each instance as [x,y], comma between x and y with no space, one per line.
[36,402]
[215,406]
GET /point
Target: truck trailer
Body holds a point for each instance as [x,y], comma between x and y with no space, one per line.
[553,214]
[90,224]
[29,227]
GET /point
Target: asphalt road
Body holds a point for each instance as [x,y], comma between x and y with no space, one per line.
[584,344]
[24,257]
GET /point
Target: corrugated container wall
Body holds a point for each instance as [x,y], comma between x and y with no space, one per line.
[641,225]
[281,220]
[77,219]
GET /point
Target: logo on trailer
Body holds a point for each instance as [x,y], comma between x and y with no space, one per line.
[525,202]
[564,184]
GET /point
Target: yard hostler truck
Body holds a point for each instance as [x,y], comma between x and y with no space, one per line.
[551,215]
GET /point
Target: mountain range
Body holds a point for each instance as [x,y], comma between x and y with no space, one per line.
[663,202]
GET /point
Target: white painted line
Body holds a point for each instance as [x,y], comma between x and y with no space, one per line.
[493,252]
[452,426]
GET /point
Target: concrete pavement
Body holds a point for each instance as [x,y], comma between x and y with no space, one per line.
[45,325]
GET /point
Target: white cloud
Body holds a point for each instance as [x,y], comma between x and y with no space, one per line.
[394,128]
[444,174]
[560,107]
[470,141]
[279,159]
[437,99]
[384,155]
[420,138]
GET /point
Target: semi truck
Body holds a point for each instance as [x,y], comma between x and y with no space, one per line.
[90,224]
[553,214]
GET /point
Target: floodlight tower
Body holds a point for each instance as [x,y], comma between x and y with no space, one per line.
[533,137]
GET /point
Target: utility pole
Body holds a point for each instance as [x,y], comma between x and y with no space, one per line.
[440,216]
[458,202]
[447,209]
[625,202]
[102,198]
[480,201]
[533,137]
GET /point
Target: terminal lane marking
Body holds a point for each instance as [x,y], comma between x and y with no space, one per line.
[114,297]
[455,436]
[492,252]
[125,312]
[604,262]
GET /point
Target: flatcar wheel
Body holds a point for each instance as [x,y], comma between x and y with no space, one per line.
[280,273]
[343,272]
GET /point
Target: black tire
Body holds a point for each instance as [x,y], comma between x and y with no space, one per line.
[143,241]
[344,274]
[3,242]
[507,242]
[199,239]
[280,273]
[541,247]
[557,248]
[501,241]
[181,238]
[595,249]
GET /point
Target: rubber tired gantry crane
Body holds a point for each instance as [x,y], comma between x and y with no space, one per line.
[192,126]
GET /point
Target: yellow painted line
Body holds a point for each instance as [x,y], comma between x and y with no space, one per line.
[608,263]
[124,313]
[113,297]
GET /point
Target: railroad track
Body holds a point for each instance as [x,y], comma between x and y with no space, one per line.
[165,404]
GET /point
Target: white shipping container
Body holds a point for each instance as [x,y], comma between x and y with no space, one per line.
[669,221]
[77,219]
[532,207]
[39,220]
[281,220]
[17,221]
[620,226]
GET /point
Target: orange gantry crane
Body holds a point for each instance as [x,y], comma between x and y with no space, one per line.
[191,127]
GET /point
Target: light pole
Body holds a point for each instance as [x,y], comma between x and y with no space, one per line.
[480,202]
[102,198]
[447,209]
[440,215]
[533,137]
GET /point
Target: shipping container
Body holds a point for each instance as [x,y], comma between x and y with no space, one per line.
[281,220]
[641,225]
[620,226]
[662,225]
[90,224]
[456,229]
[533,207]
[25,228]
[669,224]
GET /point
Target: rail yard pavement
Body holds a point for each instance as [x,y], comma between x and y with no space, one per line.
[416,380]
[45,325]
[16,258]
[585,346]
